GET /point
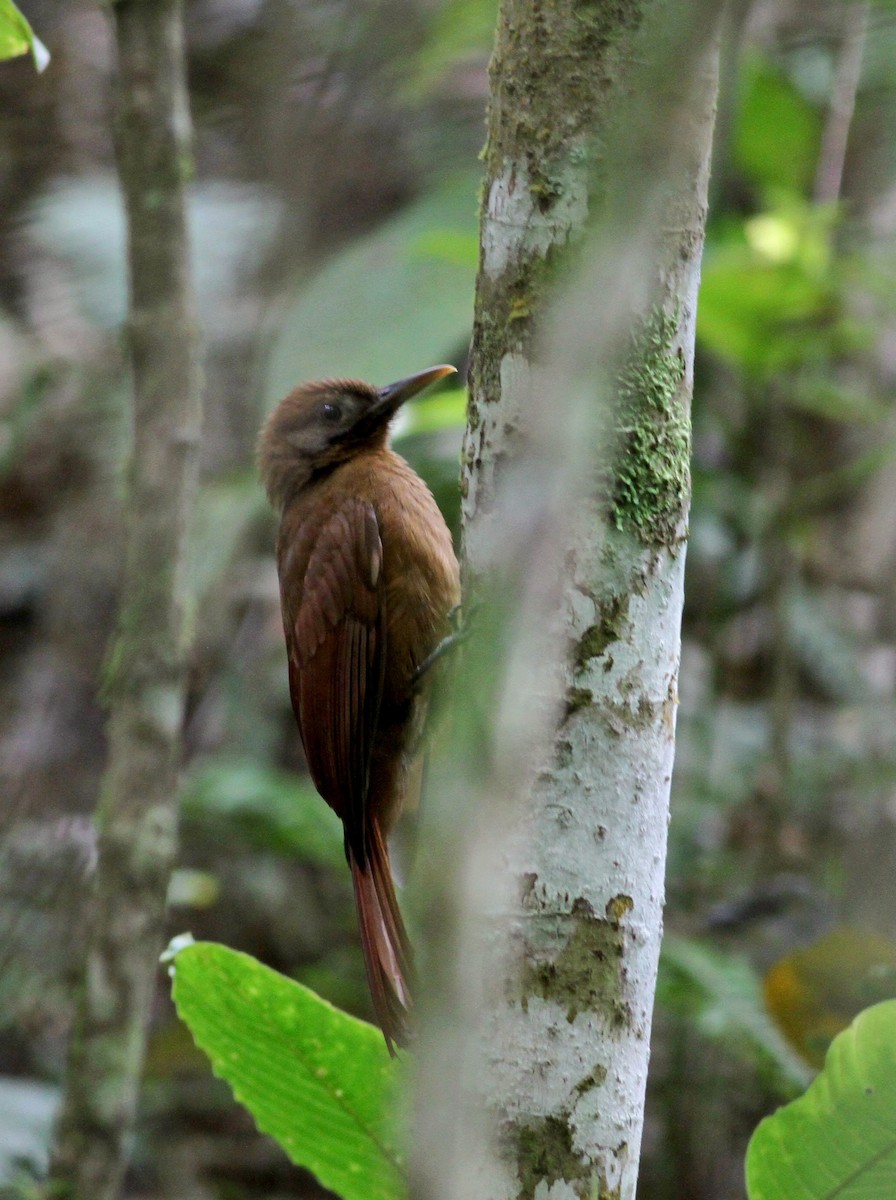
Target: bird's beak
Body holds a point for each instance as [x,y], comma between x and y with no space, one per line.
[393,395]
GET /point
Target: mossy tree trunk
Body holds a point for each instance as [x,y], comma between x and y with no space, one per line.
[146,675]
[576,489]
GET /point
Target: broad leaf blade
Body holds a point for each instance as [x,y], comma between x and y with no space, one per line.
[400,296]
[317,1080]
[17,37]
[839,1138]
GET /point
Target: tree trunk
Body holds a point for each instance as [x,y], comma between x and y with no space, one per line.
[598,157]
[146,674]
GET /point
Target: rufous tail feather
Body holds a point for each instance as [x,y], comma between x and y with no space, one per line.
[387,951]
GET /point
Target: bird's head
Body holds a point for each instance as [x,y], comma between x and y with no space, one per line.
[323,423]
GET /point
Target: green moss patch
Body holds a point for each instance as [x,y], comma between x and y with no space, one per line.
[652,478]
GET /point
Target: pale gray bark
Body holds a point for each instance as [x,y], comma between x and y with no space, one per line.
[145,682]
[551,827]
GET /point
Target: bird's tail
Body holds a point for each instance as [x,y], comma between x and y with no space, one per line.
[387,950]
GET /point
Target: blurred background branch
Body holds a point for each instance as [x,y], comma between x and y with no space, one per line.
[145,675]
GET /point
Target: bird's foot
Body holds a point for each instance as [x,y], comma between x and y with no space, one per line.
[461,628]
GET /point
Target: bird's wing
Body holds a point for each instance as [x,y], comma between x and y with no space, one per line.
[336,643]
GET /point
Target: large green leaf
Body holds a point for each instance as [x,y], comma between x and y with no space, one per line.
[838,1140]
[772,294]
[317,1080]
[17,37]
[394,302]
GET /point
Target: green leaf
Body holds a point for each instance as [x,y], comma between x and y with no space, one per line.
[839,1138]
[392,303]
[320,1082]
[17,37]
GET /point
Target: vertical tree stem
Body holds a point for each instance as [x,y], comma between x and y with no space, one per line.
[146,675]
[576,486]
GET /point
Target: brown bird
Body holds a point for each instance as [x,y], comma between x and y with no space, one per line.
[368,580]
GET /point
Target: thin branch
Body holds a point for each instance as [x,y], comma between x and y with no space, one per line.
[835,139]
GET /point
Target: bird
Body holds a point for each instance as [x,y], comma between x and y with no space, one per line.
[369,586]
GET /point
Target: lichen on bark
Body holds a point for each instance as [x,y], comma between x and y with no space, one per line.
[651,474]
[543,174]
[571,75]
[585,974]
[612,627]
[544,1152]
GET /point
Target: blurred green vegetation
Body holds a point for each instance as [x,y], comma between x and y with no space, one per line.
[335,234]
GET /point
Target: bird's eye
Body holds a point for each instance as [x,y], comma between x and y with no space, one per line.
[331,412]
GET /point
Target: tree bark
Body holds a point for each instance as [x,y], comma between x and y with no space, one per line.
[145,680]
[550,885]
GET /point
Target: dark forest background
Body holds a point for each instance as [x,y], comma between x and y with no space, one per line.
[335,233]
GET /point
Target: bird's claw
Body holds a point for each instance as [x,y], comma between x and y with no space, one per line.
[461,628]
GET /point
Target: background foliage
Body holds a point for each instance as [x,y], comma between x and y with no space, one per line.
[335,233]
